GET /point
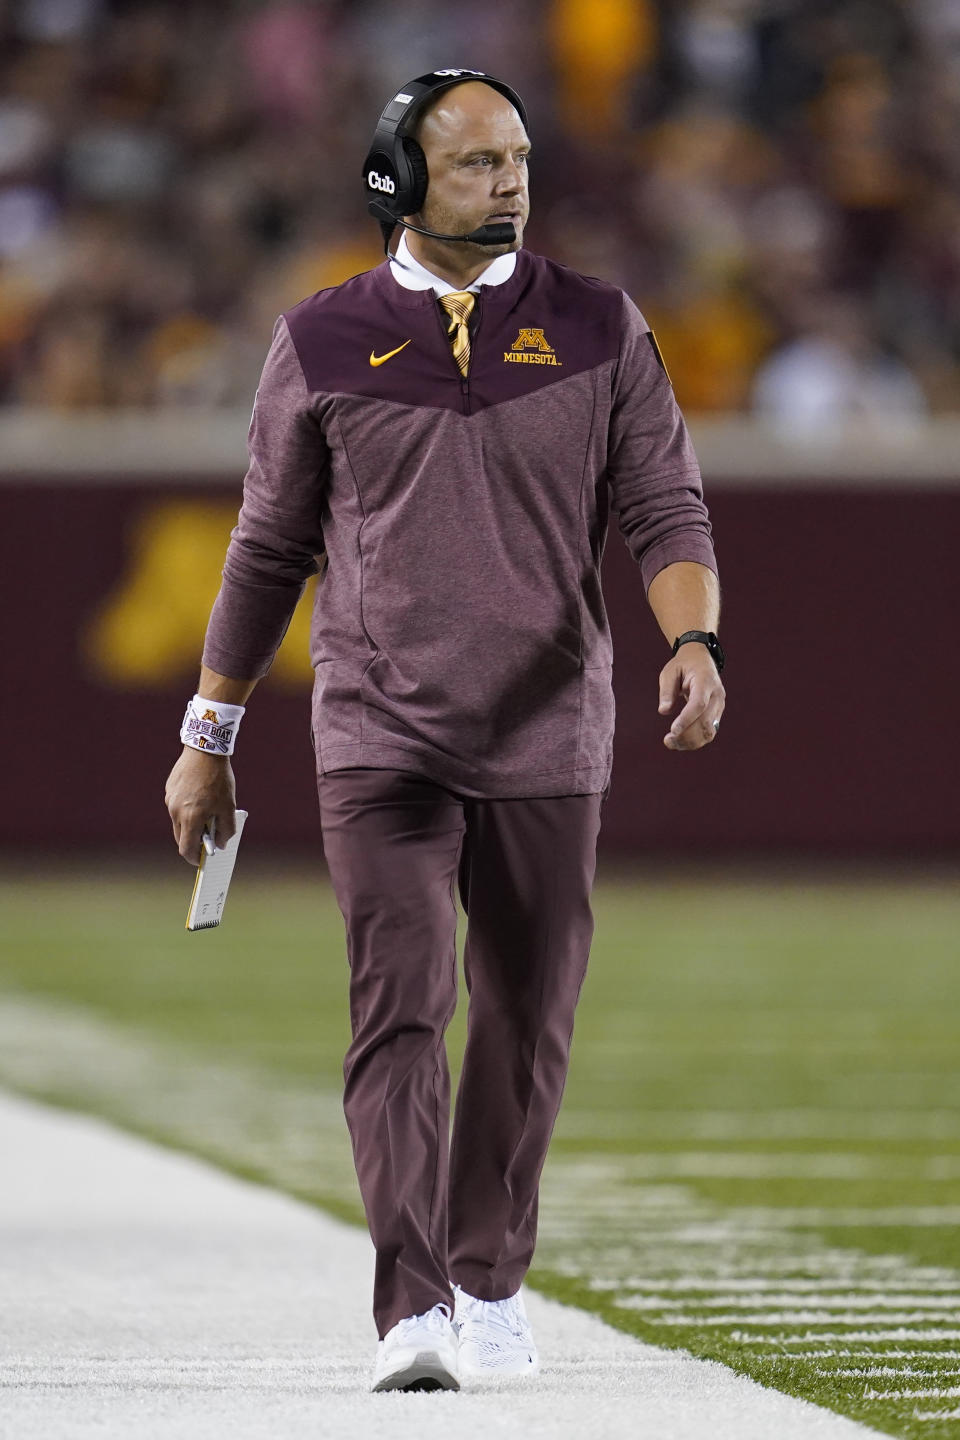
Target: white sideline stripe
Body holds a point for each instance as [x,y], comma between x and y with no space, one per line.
[869,1371]
[792,1298]
[874,1355]
[787,1165]
[771,1220]
[936,1414]
[793,1317]
[794,1123]
[933,1394]
[810,1335]
[148,1294]
[843,1215]
[726,1284]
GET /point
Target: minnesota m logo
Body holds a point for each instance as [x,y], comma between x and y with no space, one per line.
[531,347]
[530,340]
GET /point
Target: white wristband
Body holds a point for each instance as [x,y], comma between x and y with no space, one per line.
[211,725]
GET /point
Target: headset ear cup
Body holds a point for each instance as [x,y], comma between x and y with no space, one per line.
[417,164]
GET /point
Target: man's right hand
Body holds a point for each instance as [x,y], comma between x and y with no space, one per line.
[201,788]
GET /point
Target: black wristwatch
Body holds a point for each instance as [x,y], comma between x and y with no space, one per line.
[705,637]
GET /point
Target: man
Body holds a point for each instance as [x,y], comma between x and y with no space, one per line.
[439,437]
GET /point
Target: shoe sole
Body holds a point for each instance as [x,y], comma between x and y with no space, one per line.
[426,1372]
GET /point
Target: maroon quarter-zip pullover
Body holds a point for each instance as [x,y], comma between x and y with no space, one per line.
[458,524]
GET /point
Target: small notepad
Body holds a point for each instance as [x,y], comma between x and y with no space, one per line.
[213,881]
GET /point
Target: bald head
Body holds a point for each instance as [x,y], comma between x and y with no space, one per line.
[476,150]
[472,101]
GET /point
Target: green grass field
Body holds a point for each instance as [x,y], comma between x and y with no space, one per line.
[758,1159]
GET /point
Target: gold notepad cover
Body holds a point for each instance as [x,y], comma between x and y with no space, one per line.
[213,881]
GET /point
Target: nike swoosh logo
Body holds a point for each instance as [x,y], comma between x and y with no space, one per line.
[382,359]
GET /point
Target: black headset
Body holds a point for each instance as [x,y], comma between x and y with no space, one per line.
[395,170]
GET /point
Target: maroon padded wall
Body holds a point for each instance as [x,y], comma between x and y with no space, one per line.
[840,611]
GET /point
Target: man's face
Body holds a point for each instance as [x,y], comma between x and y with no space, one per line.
[477,150]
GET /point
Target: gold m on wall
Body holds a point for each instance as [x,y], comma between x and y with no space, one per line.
[149,630]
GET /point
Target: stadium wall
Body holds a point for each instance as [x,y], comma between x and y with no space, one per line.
[840,585]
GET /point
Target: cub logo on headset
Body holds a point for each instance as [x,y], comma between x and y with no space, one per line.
[383,183]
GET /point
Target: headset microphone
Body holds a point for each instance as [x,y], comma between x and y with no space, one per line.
[499,234]
[395,170]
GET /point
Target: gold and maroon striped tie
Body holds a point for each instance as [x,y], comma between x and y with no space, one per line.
[459,306]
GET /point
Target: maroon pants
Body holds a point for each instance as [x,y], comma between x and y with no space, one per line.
[460,1210]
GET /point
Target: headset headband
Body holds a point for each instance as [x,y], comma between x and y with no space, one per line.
[395,170]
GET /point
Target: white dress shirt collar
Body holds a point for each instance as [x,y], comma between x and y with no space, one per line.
[409,273]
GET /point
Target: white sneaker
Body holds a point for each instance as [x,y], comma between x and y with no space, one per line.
[495,1336]
[419,1353]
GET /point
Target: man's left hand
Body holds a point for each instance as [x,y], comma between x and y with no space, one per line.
[692,677]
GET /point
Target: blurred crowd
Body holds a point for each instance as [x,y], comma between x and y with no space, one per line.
[775,182]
